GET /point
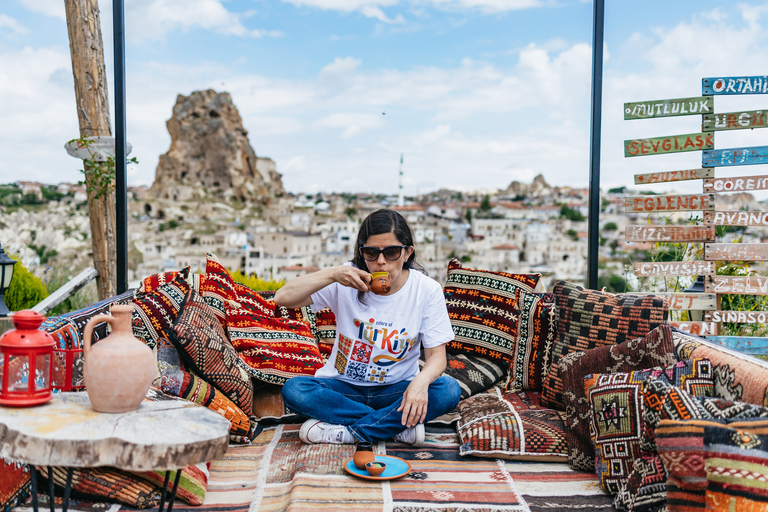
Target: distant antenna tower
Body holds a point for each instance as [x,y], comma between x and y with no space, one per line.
[401,197]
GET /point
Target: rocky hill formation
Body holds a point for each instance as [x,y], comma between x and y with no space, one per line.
[538,187]
[210,155]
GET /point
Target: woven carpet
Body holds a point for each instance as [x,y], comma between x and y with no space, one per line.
[277,472]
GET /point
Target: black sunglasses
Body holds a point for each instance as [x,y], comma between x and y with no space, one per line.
[391,253]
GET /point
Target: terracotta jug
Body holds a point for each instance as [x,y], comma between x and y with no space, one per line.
[119,369]
[379,282]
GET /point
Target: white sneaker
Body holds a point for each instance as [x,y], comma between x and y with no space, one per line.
[315,431]
[413,436]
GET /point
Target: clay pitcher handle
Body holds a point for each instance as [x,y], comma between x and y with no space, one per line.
[88,331]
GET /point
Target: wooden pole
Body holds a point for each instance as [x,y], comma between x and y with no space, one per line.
[87,51]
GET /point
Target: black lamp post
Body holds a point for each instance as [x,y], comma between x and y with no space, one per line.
[696,287]
[6,274]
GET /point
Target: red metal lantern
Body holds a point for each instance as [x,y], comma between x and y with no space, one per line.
[26,354]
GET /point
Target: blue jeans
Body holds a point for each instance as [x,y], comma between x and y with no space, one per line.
[369,412]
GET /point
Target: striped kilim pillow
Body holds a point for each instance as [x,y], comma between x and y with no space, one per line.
[736,464]
[681,445]
[484,310]
[154,313]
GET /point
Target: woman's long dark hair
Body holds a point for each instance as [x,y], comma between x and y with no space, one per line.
[380,222]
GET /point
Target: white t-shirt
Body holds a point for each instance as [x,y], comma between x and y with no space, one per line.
[378,342]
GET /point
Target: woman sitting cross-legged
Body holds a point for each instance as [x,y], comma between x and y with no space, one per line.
[371,388]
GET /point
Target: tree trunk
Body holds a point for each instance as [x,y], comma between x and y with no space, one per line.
[87,50]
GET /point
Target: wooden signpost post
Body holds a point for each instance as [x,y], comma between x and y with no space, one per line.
[714,285]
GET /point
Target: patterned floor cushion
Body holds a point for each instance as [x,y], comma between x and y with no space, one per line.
[736,465]
[193,482]
[682,449]
[100,330]
[205,349]
[738,377]
[513,426]
[654,349]
[474,374]
[646,488]
[589,319]
[536,331]
[484,310]
[155,312]
[14,484]
[107,483]
[616,420]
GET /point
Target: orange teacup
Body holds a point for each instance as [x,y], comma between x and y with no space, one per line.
[379,282]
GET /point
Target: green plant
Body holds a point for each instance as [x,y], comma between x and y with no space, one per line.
[99,176]
[256,283]
[741,302]
[26,289]
[610,226]
[485,204]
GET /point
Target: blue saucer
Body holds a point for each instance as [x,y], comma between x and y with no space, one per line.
[396,467]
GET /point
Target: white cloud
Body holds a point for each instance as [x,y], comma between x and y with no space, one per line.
[353,124]
[53,8]
[373,8]
[153,20]
[12,24]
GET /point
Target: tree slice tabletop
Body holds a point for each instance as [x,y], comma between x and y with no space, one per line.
[66,431]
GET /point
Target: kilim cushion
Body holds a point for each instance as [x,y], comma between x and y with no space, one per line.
[693,377]
[14,484]
[646,488]
[512,426]
[681,448]
[154,313]
[736,463]
[177,382]
[326,331]
[274,349]
[193,482]
[589,319]
[679,404]
[536,332]
[100,330]
[474,374]
[616,420]
[484,311]
[205,350]
[738,376]
[107,482]
[654,349]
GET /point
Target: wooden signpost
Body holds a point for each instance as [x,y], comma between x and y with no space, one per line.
[745,285]
[735,85]
[683,301]
[744,120]
[704,233]
[669,144]
[736,184]
[675,203]
[697,328]
[668,108]
[669,234]
[665,177]
[675,268]
[742,317]
[736,252]
[735,156]
[739,218]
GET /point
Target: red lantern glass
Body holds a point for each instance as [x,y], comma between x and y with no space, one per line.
[26,354]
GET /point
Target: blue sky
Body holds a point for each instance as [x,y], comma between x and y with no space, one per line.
[474,93]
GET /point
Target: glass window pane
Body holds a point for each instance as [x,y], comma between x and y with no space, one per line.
[18,373]
[42,371]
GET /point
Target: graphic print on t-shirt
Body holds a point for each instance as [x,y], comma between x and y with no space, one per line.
[368,353]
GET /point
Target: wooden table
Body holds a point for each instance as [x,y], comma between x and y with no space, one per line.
[159,435]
